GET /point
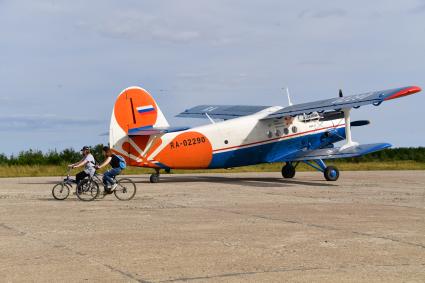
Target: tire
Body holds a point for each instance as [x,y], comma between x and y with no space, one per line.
[87,190]
[101,193]
[125,190]
[154,178]
[288,171]
[331,173]
[60,191]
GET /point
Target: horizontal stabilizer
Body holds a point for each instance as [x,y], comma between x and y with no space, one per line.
[333,153]
[147,131]
[225,112]
[346,102]
[359,123]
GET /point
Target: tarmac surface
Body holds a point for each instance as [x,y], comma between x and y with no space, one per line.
[248,227]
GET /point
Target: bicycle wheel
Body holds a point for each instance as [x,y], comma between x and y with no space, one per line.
[125,190]
[101,193]
[60,191]
[87,190]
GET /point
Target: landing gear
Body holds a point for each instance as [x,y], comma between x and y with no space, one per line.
[331,173]
[154,178]
[288,171]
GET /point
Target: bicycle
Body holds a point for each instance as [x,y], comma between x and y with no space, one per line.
[88,189]
[61,190]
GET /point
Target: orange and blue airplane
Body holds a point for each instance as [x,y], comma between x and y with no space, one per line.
[241,135]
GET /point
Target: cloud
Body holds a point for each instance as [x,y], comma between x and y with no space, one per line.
[418,9]
[322,14]
[44,122]
[137,26]
[5,99]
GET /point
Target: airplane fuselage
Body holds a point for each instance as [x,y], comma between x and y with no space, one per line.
[238,142]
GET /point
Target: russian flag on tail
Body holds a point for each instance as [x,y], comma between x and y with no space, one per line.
[145,109]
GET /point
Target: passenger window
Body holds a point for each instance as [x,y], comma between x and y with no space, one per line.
[269,134]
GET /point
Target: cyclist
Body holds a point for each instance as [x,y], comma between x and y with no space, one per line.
[88,162]
[117,163]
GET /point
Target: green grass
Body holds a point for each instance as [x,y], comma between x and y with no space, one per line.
[55,170]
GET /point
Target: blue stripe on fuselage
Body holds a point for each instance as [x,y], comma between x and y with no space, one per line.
[264,153]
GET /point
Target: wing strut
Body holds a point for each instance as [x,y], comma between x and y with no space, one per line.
[349,142]
[209,118]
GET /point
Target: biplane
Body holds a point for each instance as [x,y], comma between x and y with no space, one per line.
[241,135]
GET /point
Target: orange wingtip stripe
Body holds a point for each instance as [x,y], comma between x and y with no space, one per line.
[405,92]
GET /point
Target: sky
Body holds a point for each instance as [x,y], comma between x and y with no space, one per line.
[63,63]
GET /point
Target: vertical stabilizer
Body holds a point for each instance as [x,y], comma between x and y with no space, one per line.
[134,108]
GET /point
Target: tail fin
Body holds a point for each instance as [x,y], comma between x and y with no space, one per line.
[134,108]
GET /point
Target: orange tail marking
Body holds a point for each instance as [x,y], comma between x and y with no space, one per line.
[128,148]
[141,141]
[187,150]
[126,109]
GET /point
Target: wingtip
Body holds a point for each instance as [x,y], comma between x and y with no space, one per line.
[405,92]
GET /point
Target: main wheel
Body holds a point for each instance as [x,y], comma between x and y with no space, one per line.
[154,178]
[288,171]
[125,190]
[331,173]
[87,190]
[60,191]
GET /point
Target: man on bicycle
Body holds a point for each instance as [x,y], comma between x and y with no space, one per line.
[88,162]
[117,163]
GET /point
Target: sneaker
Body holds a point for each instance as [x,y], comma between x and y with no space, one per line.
[107,190]
[114,186]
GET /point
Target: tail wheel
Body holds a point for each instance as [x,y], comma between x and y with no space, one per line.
[60,191]
[331,173]
[125,190]
[154,178]
[87,190]
[288,171]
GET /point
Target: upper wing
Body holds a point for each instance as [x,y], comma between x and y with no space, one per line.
[221,111]
[357,100]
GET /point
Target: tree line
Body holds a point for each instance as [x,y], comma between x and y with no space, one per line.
[67,156]
[51,157]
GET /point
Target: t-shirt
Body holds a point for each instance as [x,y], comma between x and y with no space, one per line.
[115,161]
[89,167]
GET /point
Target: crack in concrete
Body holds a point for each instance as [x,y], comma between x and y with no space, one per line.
[9,228]
[279,270]
[243,273]
[326,227]
[128,275]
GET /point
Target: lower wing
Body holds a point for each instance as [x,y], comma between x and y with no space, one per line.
[333,153]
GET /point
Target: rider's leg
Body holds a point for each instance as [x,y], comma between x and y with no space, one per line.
[113,173]
[107,178]
[80,176]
